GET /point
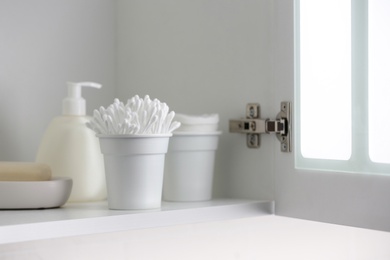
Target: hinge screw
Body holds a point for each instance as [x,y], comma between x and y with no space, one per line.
[284,147]
[253,140]
[252,112]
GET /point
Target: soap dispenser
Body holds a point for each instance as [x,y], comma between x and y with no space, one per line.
[72,150]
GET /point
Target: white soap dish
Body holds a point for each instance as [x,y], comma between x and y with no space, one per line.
[35,194]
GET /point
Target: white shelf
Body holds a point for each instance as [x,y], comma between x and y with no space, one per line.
[75,219]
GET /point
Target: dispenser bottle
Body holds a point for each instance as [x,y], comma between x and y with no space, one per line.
[72,150]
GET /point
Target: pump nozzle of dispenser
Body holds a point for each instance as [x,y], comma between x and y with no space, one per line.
[74,103]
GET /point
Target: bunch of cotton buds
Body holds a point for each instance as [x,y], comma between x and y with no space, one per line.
[138,116]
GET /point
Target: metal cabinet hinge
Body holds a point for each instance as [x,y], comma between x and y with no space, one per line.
[253,126]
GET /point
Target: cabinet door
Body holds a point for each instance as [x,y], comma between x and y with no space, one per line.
[335,197]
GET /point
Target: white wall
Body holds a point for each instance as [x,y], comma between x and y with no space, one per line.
[205,57]
[198,56]
[43,45]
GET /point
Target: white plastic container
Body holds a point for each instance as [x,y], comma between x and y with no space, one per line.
[72,150]
[189,170]
[134,169]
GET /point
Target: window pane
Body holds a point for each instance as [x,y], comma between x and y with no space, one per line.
[325,78]
[379,79]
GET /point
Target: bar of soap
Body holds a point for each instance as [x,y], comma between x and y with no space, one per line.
[24,171]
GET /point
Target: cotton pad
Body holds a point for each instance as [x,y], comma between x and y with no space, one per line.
[197,123]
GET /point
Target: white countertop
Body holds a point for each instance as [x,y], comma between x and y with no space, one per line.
[252,238]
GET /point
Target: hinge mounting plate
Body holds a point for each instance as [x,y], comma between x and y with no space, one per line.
[253,126]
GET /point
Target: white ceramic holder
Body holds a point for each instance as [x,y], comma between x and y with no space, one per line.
[189,169]
[134,167]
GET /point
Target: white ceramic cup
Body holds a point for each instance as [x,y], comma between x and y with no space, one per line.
[189,169]
[134,168]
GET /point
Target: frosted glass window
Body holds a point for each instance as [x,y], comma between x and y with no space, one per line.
[325,78]
[342,65]
[379,79]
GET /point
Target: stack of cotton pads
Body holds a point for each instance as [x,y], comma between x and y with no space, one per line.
[197,123]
